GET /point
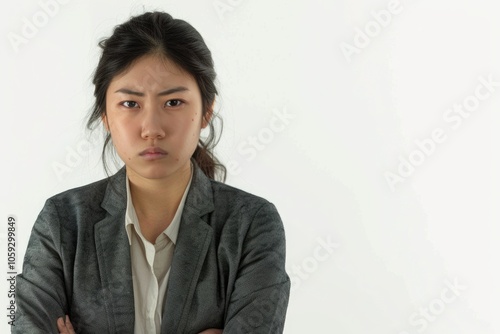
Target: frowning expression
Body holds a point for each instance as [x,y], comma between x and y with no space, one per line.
[154,115]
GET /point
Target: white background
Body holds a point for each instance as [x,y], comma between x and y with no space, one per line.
[352,121]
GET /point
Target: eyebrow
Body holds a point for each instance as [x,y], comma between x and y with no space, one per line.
[162,93]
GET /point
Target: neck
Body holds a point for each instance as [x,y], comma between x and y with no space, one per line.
[156,200]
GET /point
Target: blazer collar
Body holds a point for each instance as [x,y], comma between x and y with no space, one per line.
[113,252]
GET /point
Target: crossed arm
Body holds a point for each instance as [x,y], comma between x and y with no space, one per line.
[65,327]
[261,288]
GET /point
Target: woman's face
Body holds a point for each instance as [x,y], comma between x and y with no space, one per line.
[154,115]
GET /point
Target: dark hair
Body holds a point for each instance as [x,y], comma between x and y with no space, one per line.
[158,33]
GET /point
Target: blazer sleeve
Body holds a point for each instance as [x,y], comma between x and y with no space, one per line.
[40,289]
[259,300]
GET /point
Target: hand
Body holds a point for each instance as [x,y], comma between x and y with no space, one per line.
[65,327]
[212,331]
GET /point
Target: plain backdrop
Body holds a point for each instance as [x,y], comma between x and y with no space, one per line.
[344,114]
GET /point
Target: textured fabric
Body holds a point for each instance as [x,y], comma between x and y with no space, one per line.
[228,268]
[150,265]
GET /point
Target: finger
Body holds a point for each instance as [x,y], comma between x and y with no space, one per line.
[61,327]
[69,325]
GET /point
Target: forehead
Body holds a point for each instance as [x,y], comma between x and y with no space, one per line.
[153,72]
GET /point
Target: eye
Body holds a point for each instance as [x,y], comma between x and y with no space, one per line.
[129,104]
[173,103]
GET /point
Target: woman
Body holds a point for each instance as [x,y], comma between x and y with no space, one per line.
[160,246]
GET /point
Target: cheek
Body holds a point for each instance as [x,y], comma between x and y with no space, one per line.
[121,136]
[196,126]
[188,133]
[191,123]
[124,128]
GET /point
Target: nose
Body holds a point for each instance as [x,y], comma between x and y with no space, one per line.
[152,124]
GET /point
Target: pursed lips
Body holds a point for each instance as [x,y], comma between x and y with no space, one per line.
[153,153]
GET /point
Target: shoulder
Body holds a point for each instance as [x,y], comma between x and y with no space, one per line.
[226,195]
[236,208]
[83,194]
[247,225]
[89,197]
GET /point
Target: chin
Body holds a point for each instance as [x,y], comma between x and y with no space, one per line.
[157,170]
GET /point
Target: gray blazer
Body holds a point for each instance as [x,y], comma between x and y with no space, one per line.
[228,269]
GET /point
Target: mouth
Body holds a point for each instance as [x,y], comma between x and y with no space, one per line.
[153,153]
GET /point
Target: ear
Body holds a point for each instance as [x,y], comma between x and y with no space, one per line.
[208,116]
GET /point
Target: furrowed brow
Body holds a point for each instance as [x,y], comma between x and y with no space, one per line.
[162,93]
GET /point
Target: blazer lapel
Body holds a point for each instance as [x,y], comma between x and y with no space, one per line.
[113,257]
[191,248]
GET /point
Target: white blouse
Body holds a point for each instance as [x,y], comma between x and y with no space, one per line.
[150,266]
